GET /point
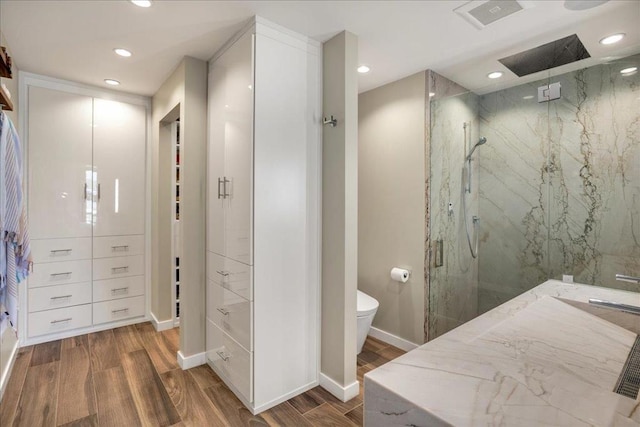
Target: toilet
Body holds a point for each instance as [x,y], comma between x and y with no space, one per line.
[367,307]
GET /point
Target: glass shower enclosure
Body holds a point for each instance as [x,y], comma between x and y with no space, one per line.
[550,191]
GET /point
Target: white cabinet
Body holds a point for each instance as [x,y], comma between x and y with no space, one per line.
[60,168]
[119,166]
[230,151]
[86,205]
[262,215]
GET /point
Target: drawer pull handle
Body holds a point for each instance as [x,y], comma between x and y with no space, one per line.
[116,270]
[223,311]
[66,273]
[116,290]
[222,273]
[62,297]
[120,248]
[222,355]
[122,310]
[55,251]
[68,319]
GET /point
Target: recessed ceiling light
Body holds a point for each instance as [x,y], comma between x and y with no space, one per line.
[111,82]
[431,94]
[629,71]
[122,52]
[528,97]
[142,3]
[495,75]
[614,38]
[363,69]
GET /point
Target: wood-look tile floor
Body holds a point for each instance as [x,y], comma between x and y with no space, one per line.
[129,377]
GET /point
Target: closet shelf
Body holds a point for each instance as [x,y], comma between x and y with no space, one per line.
[5,71]
[5,101]
[5,63]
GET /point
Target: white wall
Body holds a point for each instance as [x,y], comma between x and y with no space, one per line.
[340,211]
[185,91]
[391,202]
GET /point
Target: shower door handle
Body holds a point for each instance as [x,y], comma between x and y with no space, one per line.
[438,253]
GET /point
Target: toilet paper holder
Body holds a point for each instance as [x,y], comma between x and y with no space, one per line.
[400,274]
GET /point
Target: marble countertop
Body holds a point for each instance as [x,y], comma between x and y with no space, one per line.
[532,361]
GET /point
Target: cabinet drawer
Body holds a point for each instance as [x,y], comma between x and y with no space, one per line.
[60,273]
[59,296]
[234,363]
[111,311]
[54,250]
[232,275]
[231,313]
[61,319]
[106,290]
[113,246]
[112,268]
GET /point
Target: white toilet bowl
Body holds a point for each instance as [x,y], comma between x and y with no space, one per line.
[367,307]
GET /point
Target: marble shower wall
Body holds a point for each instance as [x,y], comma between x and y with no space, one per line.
[452,288]
[560,183]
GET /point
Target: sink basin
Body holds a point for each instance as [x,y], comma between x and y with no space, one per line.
[628,321]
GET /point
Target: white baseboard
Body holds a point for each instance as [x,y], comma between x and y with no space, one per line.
[4,379]
[342,393]
[283,398]
[188,362]
[391,339]
[161,325]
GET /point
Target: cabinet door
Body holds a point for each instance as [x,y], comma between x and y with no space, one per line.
[215,161]
[119,139]
[231,149]
[60,174]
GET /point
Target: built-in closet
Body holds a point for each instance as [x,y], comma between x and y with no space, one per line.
[86,156]
[262,215]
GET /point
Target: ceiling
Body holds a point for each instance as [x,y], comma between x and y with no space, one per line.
[74,40]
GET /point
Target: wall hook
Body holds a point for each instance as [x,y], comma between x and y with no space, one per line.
[333,122]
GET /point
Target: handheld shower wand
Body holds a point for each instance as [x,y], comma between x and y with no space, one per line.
[481,141]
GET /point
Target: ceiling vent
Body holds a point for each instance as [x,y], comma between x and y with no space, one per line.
[481,13]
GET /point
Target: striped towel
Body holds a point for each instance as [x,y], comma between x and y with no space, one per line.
[15,254]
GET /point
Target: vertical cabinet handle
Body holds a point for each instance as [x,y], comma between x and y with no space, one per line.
[98,191]
[223,181]
[85,191]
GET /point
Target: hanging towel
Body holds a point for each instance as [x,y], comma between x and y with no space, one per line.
[15,254]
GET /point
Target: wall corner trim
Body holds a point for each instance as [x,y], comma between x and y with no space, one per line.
[342,393]
[391,339]
[188,362]
[161,325]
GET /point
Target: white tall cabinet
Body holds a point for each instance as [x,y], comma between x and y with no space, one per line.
[263,215]
[86,203]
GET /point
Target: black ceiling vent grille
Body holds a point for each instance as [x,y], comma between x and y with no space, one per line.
[550,55]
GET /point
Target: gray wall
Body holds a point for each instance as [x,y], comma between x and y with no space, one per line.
[391,200]
[560,183]
[184,91]
[340,210]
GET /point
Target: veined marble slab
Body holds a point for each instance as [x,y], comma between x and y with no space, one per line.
[532,361]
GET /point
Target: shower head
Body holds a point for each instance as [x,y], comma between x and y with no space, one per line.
[481,141]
